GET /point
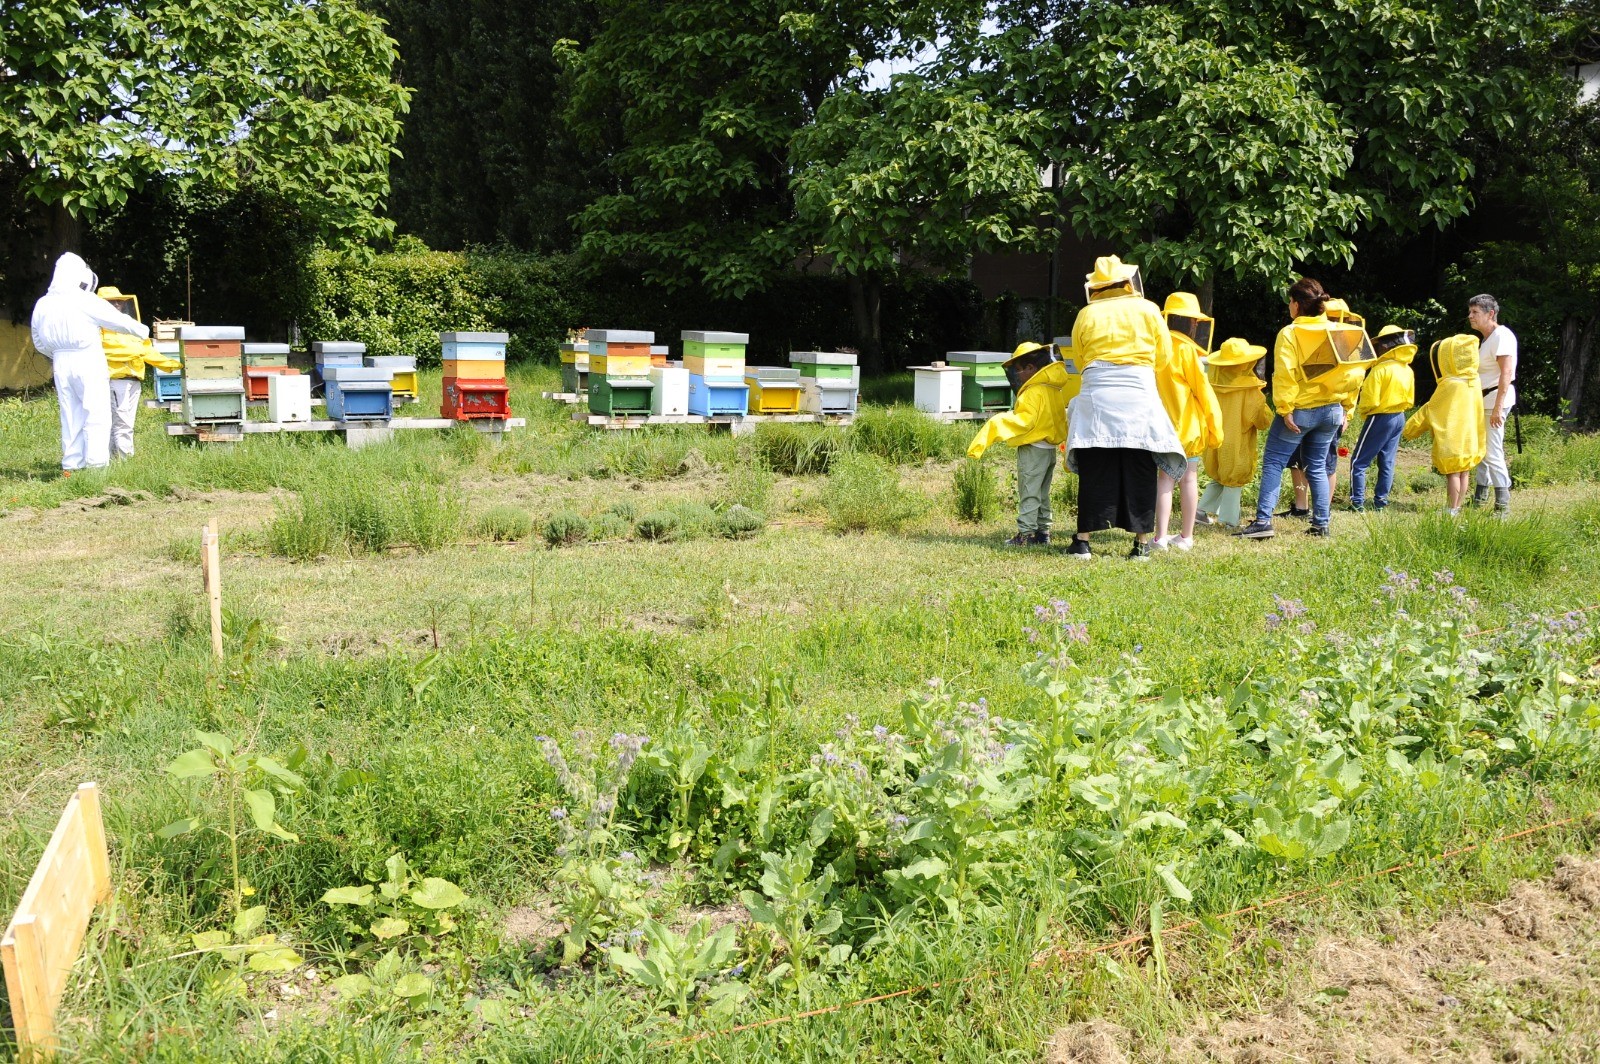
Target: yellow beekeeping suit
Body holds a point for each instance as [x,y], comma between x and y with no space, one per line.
[1455,414]
[1243,409]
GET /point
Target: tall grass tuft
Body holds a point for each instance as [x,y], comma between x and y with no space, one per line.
[505,524]
[864,492]
[796,449]
[1475,541]
[904,435]
[365,514]
[977,497]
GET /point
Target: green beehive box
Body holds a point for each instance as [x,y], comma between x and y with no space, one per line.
[221,401]
[213,367]
[985,393]
[620,396]
[258,355]
[700,344]
[824,365]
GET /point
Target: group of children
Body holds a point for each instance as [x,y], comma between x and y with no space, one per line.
[1217,405]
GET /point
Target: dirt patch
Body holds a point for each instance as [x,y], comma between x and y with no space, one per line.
[532,925]
[719,916]
[1506,982]
[108,497]
[1089,1042]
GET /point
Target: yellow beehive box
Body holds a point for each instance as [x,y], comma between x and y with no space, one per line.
[768,396]
[477,369]
[714,366]
[620,365]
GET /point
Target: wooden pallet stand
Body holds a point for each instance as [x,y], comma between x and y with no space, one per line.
[41,944]
[961,415]
[569,398]
[357,434]
[738,424]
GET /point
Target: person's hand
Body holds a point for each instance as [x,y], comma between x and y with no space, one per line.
[1497,418]
[1344,423]
[1288,419]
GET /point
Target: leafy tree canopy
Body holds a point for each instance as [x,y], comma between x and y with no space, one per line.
[96,99]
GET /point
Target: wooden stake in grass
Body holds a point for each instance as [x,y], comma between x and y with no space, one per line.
[211,566]
[41,944]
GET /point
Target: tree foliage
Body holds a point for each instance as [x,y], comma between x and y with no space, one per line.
[98,99]
[1212,137]
[485,157]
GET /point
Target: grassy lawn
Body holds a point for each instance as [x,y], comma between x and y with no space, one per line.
[403,637]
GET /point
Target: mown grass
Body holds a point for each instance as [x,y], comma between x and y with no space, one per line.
[338,655]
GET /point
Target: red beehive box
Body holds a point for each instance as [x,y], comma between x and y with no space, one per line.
[255,379]
[465,398]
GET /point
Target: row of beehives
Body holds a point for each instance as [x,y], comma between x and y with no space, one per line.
[221,374]
[626,374]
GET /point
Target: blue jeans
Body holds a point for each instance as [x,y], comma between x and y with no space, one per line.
[1379,442]
[1319,426]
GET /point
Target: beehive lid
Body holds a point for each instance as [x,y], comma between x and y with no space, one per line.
[578,346]
[339,347]
[211,332]
[658,349]
[364,386]
[773,374]
[977,358]
[266,349]
[225,386]
[474,337]
[351,374]
[702,337]
[822,358]
[621,336]
[1062,341]
[934,369]
[828,383]
[404,363]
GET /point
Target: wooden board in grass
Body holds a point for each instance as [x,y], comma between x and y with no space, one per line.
[42,941]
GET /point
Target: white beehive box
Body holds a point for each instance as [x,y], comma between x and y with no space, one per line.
[671,394]
[288,398]
[937,389]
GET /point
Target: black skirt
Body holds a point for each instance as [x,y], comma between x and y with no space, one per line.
[1116,489]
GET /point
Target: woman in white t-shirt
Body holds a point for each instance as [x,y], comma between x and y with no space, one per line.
[1497,374]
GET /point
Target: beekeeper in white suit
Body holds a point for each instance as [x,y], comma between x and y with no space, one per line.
[66,330]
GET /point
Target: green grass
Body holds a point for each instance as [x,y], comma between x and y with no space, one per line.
[774,639]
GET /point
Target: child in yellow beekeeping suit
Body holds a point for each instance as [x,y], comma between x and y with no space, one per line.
[126,357]
[1036,426]
[1234,373]
[1190,403]
[1389,391]
[1454,415]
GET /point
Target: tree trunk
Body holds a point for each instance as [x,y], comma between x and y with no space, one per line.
[1207,293]
[33,242]
[1577,342]
[866,300]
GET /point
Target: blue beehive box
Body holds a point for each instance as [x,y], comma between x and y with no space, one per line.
[168,386]
[359,393]
[474,345]
[713,396]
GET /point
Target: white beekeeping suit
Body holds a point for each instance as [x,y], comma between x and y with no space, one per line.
[66,330]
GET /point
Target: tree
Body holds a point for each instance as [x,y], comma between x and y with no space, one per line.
[915,174]
[99,99]
[485,157]
[1213,137]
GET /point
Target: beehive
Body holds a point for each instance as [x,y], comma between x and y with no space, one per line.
[289,398]
[826,365]
[773,389]
[257,378]
[658,354]
[670,390]
[575,366]
[402,374]
[211,341]
[466,399]
[210,401]
[168,384]
[984,386]
[620,396]
[620,352]
[260,355]
[715,354]
[717,396]
[827,395]
[358,393]
[936,389]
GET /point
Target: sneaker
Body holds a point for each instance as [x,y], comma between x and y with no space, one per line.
[1454,511]
[1079,549]
[1203,518]
[1480,494]
[1181,543]
[1320,531]
[1257,529]
[1358,508]
[1140,551]
[1041,539]
[1161,543]
[1295,511]
[1021,539]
